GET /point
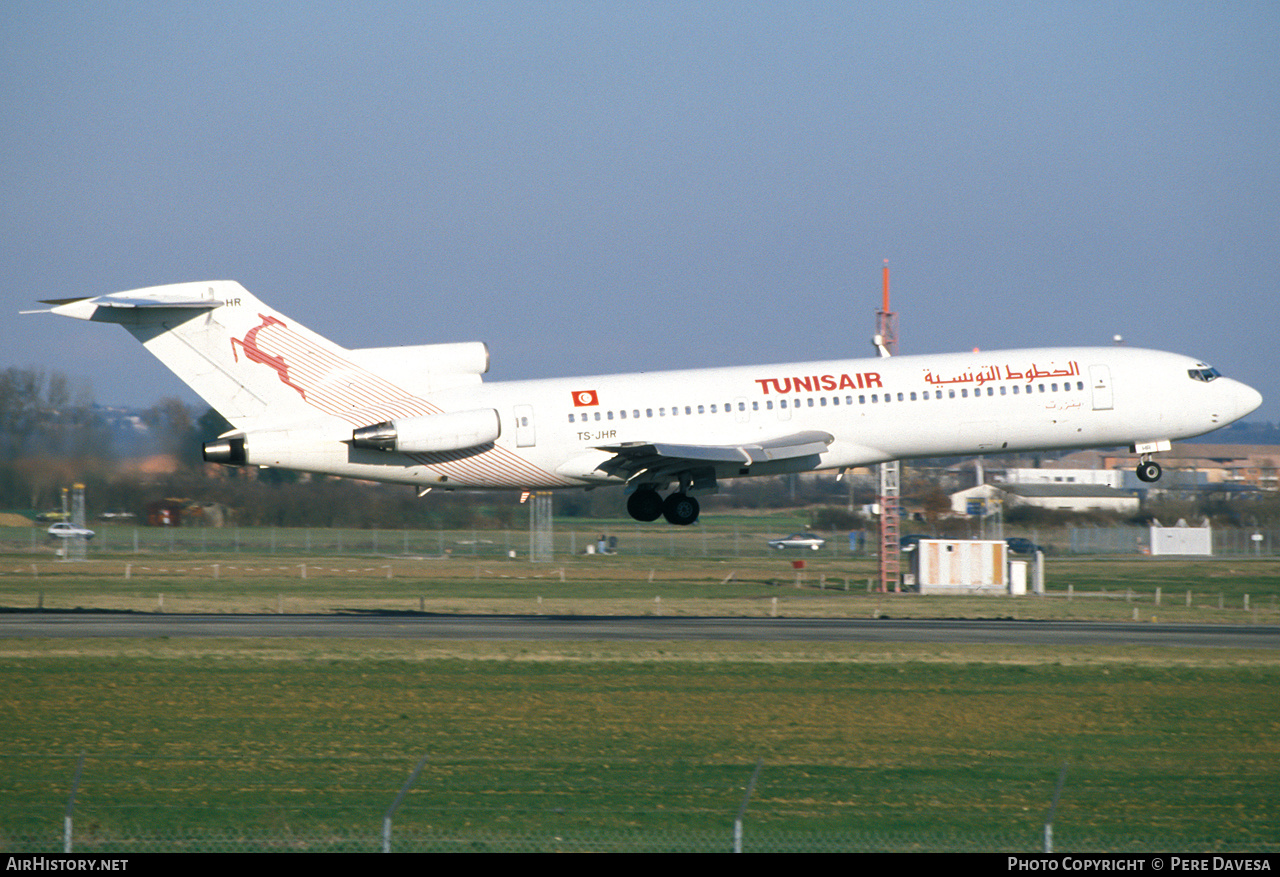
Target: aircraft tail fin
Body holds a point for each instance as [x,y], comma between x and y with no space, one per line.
[255,366]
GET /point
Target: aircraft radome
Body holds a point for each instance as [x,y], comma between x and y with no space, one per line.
[421,415]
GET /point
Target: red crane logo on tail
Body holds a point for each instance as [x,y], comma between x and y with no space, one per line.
[254,354]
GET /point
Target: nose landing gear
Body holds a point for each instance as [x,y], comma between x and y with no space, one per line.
[1148,471]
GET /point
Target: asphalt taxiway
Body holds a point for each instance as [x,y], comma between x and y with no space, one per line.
[532,628]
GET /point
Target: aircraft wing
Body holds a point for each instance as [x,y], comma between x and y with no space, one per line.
[632,459]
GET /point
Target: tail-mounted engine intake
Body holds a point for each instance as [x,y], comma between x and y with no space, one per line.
[434,432]
[227,450]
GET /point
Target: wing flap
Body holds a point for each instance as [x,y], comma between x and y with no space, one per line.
[632,459]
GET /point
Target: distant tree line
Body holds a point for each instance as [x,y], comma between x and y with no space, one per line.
[52,435]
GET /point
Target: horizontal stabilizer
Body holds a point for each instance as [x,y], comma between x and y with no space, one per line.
[123,307]
[109,302]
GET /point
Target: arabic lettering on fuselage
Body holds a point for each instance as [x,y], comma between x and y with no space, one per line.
[994,373]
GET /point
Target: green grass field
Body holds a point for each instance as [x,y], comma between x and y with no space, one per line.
[242,735]
[1236,590]
[1167,748]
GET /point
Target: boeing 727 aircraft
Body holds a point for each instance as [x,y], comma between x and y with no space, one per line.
[422,416]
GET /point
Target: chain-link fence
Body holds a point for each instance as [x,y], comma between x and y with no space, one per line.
[739,538]
[615,841]
[259,803]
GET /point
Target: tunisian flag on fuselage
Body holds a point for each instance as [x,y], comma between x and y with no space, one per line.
[583,398]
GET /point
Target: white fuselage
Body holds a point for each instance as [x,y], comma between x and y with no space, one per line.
[423,415]
[876,409]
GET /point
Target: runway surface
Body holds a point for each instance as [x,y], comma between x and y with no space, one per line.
[648,628]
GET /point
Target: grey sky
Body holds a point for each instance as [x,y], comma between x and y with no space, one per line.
[605,187]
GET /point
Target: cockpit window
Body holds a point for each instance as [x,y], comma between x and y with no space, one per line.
[1204,373]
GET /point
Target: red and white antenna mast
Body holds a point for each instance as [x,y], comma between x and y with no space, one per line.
[890,494]
[886,321]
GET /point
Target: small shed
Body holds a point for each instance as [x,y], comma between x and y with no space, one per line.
[960,566]
[1182,539]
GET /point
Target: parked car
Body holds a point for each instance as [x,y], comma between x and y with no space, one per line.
[1020,545]
[66,530]
[798,540]
[910,541]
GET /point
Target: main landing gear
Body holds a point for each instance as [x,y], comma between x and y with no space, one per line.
[678,508]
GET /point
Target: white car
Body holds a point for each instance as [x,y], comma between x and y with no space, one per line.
[798,540]
[64,530]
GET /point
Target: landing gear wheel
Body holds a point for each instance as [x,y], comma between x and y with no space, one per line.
[680,509]
[644,505]
[1148,471]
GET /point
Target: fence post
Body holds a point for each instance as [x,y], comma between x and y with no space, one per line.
[404,790]
[71,806]
[1048,820]
[742,811]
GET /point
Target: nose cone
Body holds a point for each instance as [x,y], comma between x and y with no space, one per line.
[1246,399]
[1250,400]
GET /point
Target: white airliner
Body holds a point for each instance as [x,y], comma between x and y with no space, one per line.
[421,415]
